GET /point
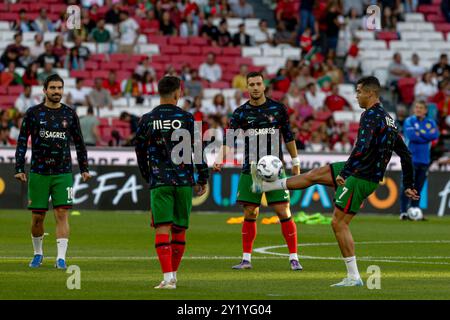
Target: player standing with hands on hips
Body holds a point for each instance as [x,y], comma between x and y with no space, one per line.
[170,179]
[51,125]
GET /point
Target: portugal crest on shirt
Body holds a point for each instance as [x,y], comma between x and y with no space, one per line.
[64,124]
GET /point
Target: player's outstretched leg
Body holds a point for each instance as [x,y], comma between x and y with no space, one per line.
[37,237]
[289,231]
[178,244]
[62,236]
[322,175]
[340,224]
[248,236]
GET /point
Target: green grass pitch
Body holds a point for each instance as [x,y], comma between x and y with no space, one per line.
[117,259]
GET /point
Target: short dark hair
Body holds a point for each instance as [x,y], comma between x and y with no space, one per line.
[168,85]
[254,74]
[422,102]
[370,83]
[52,77]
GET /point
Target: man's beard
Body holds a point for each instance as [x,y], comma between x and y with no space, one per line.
[256,96]
[54,99]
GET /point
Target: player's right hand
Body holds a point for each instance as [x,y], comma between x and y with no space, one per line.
[412,194]
[21,177]
[200,189]
[217,167]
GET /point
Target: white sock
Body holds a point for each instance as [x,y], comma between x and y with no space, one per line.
[247,256]
[352,268]
[174,275]
[37,244]
[275,185]
[293,256]
[61,243]
[168,276]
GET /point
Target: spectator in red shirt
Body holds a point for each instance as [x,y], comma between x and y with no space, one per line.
[281,81]
[30,76]
[335,102]
[306,41]
[112,85]
[285,11]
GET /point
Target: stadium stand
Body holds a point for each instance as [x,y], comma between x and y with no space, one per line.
[159,50]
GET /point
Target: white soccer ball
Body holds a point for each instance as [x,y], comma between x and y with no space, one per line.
[415,213]
[269,168]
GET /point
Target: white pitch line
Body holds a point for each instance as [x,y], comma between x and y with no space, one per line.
[266,250]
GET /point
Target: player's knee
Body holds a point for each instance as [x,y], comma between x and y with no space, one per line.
[38,220]
[251,212]
[337,224]
[61,213]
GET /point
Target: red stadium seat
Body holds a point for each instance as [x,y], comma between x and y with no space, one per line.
[216,50]
[228,76]
[7,101]
[35,7]
[99,74]
[161,59]
[353,127]
[119,123]
[105,133]
[387,35]
[220,85]
[119,57]
[170,50]
[406,88]
[84,74]
[98,57]
[110,66]
[137,58]
[58,8]
[429,8]
[180,59]
[443,27]
[3,91]
[198,41]
[18,6]
[243,60]
[159,40]
[91,65]
[104,122]
[277,95]
[232,51]
[225,60]
[122,75]
[15,90]
[315,125]
[178,41]
[3,7]
[9,16]
[159,67]
[128,66]
[322,116]
[436,18]
[191,50]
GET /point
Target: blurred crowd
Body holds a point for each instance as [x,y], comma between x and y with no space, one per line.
[308,86]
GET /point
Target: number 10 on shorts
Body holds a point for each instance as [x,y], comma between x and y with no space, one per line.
[69,193]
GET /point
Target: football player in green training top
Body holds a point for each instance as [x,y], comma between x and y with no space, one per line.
[51,125]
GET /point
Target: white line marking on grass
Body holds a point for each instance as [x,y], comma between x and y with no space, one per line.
[266,250]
